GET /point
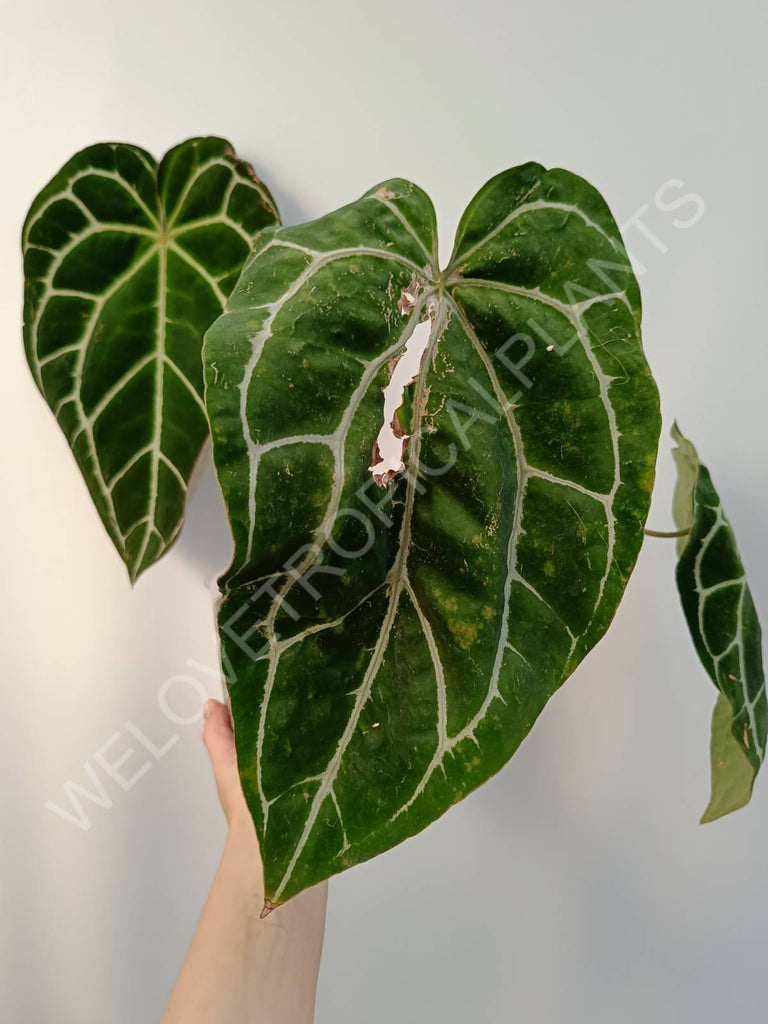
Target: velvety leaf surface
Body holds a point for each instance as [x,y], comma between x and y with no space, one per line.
[388,648]
[725,629]
[126,264]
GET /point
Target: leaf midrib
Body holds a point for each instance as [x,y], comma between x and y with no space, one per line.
[396,580]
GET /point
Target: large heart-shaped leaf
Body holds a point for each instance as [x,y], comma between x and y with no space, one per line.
[388,648]
[126,264]
[725,629]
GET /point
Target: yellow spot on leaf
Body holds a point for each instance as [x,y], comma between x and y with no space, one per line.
[464,634]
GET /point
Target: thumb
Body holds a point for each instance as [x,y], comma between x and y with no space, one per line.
[219,740]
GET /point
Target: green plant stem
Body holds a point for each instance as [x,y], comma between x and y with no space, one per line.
[667,533]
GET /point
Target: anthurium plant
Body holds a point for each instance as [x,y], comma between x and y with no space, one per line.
[415,572]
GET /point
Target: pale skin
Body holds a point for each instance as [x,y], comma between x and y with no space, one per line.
[242,968]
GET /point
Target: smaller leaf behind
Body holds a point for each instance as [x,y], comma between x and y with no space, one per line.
[126,263]
[725,630]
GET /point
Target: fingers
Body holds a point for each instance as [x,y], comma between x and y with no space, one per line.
[217,731]
[219,740]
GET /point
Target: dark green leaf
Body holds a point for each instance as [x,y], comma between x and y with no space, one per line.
[725,630]
[389,647]
[126,264]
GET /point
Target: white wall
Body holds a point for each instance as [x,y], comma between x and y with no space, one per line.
[576,886]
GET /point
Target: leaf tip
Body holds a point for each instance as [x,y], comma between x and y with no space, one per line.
[710,814]
[716,810]
[134,569]
[267,909]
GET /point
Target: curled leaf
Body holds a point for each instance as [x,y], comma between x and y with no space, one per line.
[725,629]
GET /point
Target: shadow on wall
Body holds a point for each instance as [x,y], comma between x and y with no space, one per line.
[205,542]
[291,211]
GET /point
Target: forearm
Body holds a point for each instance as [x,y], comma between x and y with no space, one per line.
[241,969]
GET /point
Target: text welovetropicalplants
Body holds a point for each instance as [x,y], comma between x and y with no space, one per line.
[393,621]
[402,657]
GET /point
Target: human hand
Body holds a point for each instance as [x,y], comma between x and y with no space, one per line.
[219,739]
[242,844]
[242,964]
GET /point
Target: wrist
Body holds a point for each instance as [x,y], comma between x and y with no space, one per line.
[241,866]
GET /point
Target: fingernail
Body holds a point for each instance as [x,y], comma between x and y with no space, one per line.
[208,708]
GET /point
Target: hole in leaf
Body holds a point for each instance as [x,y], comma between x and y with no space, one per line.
[389,449]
